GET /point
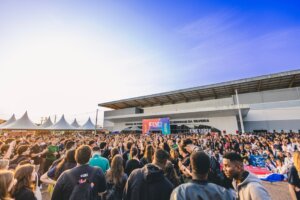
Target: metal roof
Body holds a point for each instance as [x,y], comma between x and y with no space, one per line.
[280,80]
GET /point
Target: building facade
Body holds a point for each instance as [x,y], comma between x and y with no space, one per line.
[264,103]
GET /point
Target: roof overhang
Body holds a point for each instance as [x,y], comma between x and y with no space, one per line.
[207,112]
[214,91]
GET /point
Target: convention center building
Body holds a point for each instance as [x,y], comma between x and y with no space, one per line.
[265,103]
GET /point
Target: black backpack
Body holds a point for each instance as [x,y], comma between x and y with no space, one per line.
[109,194]
[83,189]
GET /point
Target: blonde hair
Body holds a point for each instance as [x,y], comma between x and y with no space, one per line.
[296,160]
[4,164]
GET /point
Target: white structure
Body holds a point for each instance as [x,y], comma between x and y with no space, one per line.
[75,123]
[62,125]
[47,123]
[88,125]
[12,119]
[267,103]
[24,123]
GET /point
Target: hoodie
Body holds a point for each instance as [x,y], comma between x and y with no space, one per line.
[251,189]
[200,190]
[147,183]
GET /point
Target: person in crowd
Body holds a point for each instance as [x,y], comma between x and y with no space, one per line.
[126,153]
[171,175]
[148,155]
[246,185]
[36,151]
[22,155]
[113,152]
[72,182]
[24,188]
[98,161]
[293,177]
[215,175]
[149,182]
[68,162]
[69,145]
[134,162]
[116,179]
[200,188]
[51,154]
[7,149]
[104,150]
[7,182]
[270,165]
[4,163]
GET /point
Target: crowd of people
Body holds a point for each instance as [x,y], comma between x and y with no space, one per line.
[144,167]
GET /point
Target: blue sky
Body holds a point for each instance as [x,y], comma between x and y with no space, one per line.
[66,56]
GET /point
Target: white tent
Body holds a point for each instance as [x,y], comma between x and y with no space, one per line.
[24,123]
[75,124]
[47,123]
[62,124]
[12,119]
[88,125]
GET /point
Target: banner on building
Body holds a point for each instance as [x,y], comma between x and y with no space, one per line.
[159,124]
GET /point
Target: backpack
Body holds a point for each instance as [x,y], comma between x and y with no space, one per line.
[83,189]
[109,194]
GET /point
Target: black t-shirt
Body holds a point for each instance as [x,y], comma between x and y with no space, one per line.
[293,179]
[24,194]
[65,185]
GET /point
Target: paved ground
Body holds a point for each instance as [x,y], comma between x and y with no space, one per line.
[278,191]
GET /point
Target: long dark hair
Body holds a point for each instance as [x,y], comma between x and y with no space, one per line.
[116,171]
[23,175]
[149,152]
[67,163]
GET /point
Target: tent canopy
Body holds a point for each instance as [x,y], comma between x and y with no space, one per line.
[24,123]
[62,124]
[12,119]
[47,123]
[88,125]
[75,123]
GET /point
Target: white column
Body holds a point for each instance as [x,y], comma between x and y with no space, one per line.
[240,113]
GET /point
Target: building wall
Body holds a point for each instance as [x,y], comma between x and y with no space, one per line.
[120,112]
[189,105]
[284,115]
[270,96]
[269,110]
[228,124]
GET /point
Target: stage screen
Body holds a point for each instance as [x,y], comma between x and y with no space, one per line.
[159,124]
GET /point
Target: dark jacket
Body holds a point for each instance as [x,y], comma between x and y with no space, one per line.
[148,183]
[64,186]
[24,194]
